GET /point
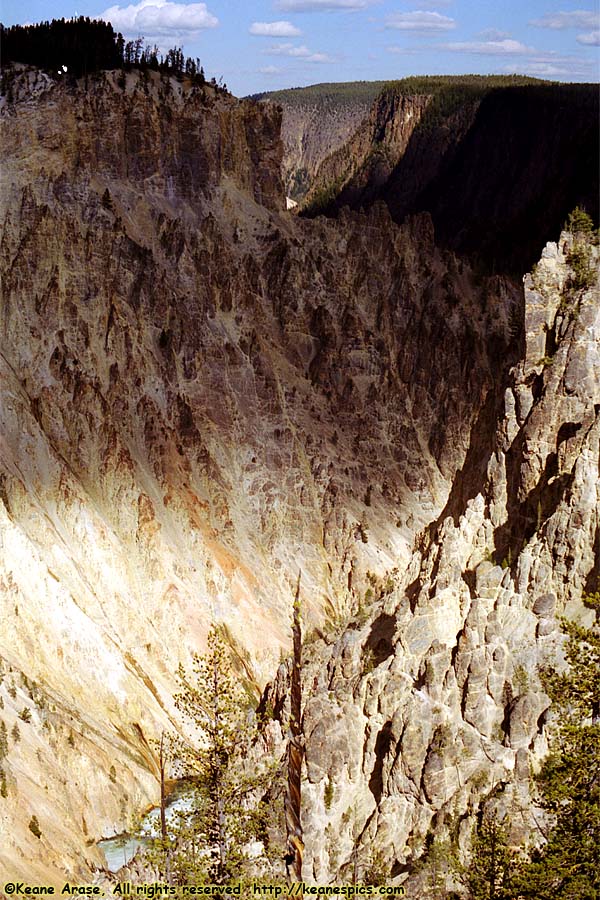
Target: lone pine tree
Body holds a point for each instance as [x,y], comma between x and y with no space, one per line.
[207,839]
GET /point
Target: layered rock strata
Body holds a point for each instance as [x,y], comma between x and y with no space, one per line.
[201,394]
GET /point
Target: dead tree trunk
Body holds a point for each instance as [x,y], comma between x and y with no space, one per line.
[163,761]
[163,793]
[295,842]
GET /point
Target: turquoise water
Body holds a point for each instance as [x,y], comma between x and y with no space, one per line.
[120,850]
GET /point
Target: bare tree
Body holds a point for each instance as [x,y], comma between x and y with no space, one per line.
[295,838]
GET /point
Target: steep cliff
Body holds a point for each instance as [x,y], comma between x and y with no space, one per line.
[200,395]
[353,174]
[427,707]
[316,122]
[498,167]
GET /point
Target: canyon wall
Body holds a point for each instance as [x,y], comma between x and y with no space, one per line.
[201,395]
[498,168]
[427,708]
[316,122]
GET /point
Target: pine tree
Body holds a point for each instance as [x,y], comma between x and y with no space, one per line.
[491,870]
[566,865]
[579,222]
[207,840]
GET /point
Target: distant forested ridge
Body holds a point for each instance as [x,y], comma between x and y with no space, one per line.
[329,93]
[85,46]
[446,90]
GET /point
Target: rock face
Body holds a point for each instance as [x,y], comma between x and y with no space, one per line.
[316,122]
[200,395]
[430,707]
[355,173]
[498,169]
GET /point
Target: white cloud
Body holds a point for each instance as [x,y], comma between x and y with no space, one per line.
[420,20]
[575,18]
[275,29]
[404,51]
[301,52]
[491,48]
[321,5]
[270,70]
[590,39]
[432,4]
[154,18]
[552,65]
[493,34]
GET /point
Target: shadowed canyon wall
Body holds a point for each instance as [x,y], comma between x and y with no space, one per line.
[497,168]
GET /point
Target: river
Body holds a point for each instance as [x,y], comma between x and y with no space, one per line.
[120,850]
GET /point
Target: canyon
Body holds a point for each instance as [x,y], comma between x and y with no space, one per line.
[317,121]
[204,394]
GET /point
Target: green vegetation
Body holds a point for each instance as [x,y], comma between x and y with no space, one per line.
[25,714]
[369,661]
[581,260]
[581,226]
[299,188]
[491,872]
[328,94]
[521,679]
[566,864]
[207,841]
[451,92]
[435,866]
[332,94]
[579,223]
[85,46]
[328,793]
[376,870]
[34,827]
[584,272]
[323,196]
[545,361]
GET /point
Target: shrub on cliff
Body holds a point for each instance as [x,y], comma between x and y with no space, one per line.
[580,257]
[579,223]
[567,864]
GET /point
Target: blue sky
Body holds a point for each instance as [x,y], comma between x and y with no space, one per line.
[268,44]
